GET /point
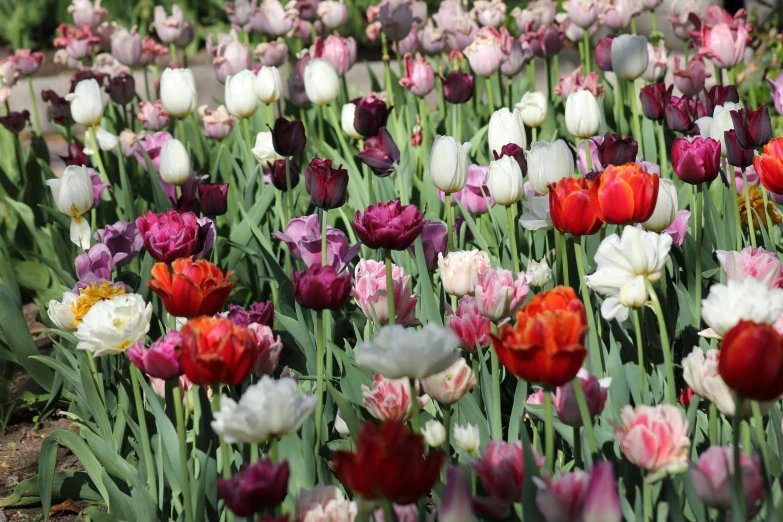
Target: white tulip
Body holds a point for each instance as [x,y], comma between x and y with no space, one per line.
[174,162]
[538,274]
[396,352]
[506,127]
[346,120]
[324,504]
[739,300]
[449,164]
[460,271]
[722,122]
[434,433]
[106,141]
[86,103]
[268,85]
[539,216]
[322,84]
[548,162]
[533,108]
[264,150]
[241,99]
[700,371]
[268,408]
[467,438]
[340,426]
[623,264]
[113,325]
[665,207]
[704,125]
[61,313]
[73,196]
[629,56]
[582,114]
[505,182]
[178,92]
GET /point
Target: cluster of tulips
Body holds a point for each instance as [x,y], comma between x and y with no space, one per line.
[584,326]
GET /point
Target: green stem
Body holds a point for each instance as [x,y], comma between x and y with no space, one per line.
[449,224]
[619,105]
[425,134]
[245,130]
[387,70]
[718,75]
[735,203]
[713,413]
[288,214]
[697,217]
[531,76]
[179,412]
[654,22]
[513,235]
[97,155]
[549,431]
[665,346]
[490,95]
[587,51]
[447,426]
[767,217]
[737,477]
[181,132]
[587,420]
[272,453]
[390,287]
[35,105]
[662,152]
[588,153]
[640,351]
[534,132]
[270,115]
[319,390]
[145,438]
[415,420]
[497,422]
[758,421]
[647,502]
[637,129]
[323,236]
[577,448]
[748,209]
[338,130]
[633,24]
[595,343]
[549,87]
[173,51]
[147,84]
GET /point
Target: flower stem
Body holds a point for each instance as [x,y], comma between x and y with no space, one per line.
[561,257]
[665,347]
[339,131]
[449,224]
[549,87]
[145,438]
[323,236]
[587,420]
[647,501]
[390,287]
[588,54]
[637,129]
[767,217]
[588,153]
[35,105]
[697,211]
[414,394]
[497,422]
[713,413]
[513,235]
[97,155]
[748,209]
[736,424]
[319,390]
[662,153]
[639,350]
[490,95]
[759,425]
[595,343]
[179,412]
[181,131]
[425,134]
[735,203]
[549,431]
[447,426]
[577,448]
[288,214]
[245,129]
[387,70]
[173,51]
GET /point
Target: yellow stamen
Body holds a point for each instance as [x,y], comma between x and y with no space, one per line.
[91,295]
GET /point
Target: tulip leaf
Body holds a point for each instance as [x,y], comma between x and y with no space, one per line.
[347,411]
[429,305]
[517,410]
[158,196]
[529,507]
[125,192]
[65,484]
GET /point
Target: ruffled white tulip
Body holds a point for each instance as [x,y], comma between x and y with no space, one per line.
[268,85]
[533,108]
[623,264]
[538,274]
[174,162]
[506,127]
[60,312]
[396,352]
[434,433]
[269,408]
[467,438]
[241,99]
[739,300]
[629,56]
[324,504]
[505,182]
[582,114]
[178,92]
[322,85]
[449,164]
[460,271]
[73,196]
[106,141]
[86,103]
[264,150]
[721,122]
[347,117]
[113,325]
[665,207]
[548,162]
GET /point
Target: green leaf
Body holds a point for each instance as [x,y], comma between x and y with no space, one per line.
[71,484]
[19,339]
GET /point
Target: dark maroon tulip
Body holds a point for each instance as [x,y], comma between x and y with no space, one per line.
[434,240]
[320,288]
[288,137]
[76,156]
[615,150]
[754,128]
[327,186]
[389,225]
[458,87]
[718,95]
[682,112]
[276,171]
[735,153]
[122,89]
[547,42]
[516,152]
[655,98]
[380,153]
[370,115]
[603,53]
[59,111]
[256,488]
[259,313]
[15,122]
[213,198]
[696,161]
[86,73]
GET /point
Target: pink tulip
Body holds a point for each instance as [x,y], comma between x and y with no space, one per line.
[370,292]
[275,19]
[459,28]
[229,55]
[723,44]
[471,327]
[680,18]
[218,123]
[240,11]
[419,77]
[536,15]
[87,12]
[169,28]
[595,155]
[498,295]
[485,53]
[579,495]
[126,46]
[760,264]
[691,79]
[431,39]
[27,62]
[153,116]
[269,349]
[450,385]
[517,51]
[595,391]
[576,81]
[271,54]
[657,62]
[390,399]
[501,470]
[679,228]
[333,14]
[334,50]
[713,479]
[776,86]
[582,13]
[161,359]
[489,13]
[151,51]
[475,195]
[406,513]
[78,43]
[409,44]
[152,143]
[616,14]
[302,236]
[654,438]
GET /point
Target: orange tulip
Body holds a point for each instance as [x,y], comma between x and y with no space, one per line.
[196,287]
[547,344]
[625,194]
[769,166]
[215,350]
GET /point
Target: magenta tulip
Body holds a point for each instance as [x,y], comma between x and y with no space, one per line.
[696,161]
[380,153]
[161,359]
[390,225]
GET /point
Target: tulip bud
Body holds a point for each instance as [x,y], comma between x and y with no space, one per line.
[86,103]
[178,92]
[174,162]
[449,164]
[346,120]
[241,99]
[213,198]
[122,89]
[665,207]
[322,84]
[505,182]
[629,56]
[458,87]
[506,127]
[533,108]
[548,162]
[603,53]
[326,185]
[460,271]
[333,14]
[268,85]
[582,114]
[419,77]
[434,433]
[538,274]
[264,149]
[73,196]
[467,438]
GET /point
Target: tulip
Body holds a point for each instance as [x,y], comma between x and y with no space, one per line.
[241,99]
[172,234]
[412,473]
[112,325]
[121,89]
[625,194]
[751,360]
[460,271]
[724,44]
[450,385]
[485,53]
[617,151]
[458,87]
[655,98]
[533,109]
[501,470]
[324,503]
[77,41]
[740,300]
[123,241]
[347,117]
[73,196]
[271,54]
[489,13]
[268,85]
[720,95]
[498,296]
[26,62]
[303,238]
[87,12]
[434,241]
[603,53]
[261,313]
[547,41]
[769,166]
[578,495]
[332,14]
[15,122]
[61,313]
[59,111]
[681,113]
[474,196]
[174,162]
[431,39]
[448,164]
[665,208]
[419,77]
[735,154]
[582,115]
[518,54]
[86,103]
[753,128]
[504,181]
[389,225]
[288,137]
[538,215]
[217,124]
[434,433]
[533,350]
[321,82]
[471,327]
[691,79]
[757,263]
[258,487]
[506,127]
[178,92]
[161,359]
[370,289]
[713,479]
[657,62]
[326,185]
[467,439]
[776,89]
[370,116]
[214,350]
[722,122]
[335,50]
[380,153]
[396,352]
[629,56]
[264,149]
[95,265]
[390,399]
[548,162]
[572,210]
[696,161]
[196,287]
[152,115]
[320,288]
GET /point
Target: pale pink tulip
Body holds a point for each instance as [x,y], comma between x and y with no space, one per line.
[78,43]
[432,39]
[579,496]
[713,479]
[169,28]
[409,44]
[498,295]
[691,79]
[680,18]
[390,399]
[485,53]
[489,13]
[126,46]
[536,15]
[595,391]
[760,264]
[269,349]
[370,291]
[475,195]
[334,50]
[229,55]
[450,385]
[657,62]
[152,115]
[333,14]
[419,77]
[724,45]
[679,228]
[87,12]
[582,13]
[26,61]
[271,54]
[576,81]
[616,14]
[218,123]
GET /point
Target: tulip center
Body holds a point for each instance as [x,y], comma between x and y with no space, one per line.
[91,295]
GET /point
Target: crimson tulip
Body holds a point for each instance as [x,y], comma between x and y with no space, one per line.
[320,288]
[288,137]
[196,287]
[769,166]
[380,153]
[390,225]
[256,488]
[214,350]
[655,98]
[76,155]
[736,155]
[751,361]
[458,87]
[753,128]
[390,463]
[326,185]
[276,172]
[175,234]
[718,95]
[603,53]
[571,208]
[696,161]
[370,116]
[213,198]
[625,194]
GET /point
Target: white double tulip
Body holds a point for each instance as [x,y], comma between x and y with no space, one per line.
[113,325]
[665,207]
[86,103]
[268,85]
[174,162]
[538,274]
[178,92]
[582,114]
[460,271]
[739,300]
[533,108]
[629,56]
[505,181]
[449,164]
[61,313]
[506,127]
[548,162]
[73,196]
[322,84]
[241,99]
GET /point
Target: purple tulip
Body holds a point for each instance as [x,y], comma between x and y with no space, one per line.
[302,236]
[213,198]
[59,111]
[259,313]
[515,151]
[396,20]
[95,265]
[474,197]
[271,54]
[370,115]
[327,186]
[389,225]
[296,91]
[126,46]
[152,143]
[153,116]
[655,98]
[718,95]
[380,153]
[98,186]
[123,241]
[617,151]
[434,240]
[681,113]
[187,200]
[121,89]
[288,137]
[161,359]
[753,128]
[321,288]
[256,488]
[458,87]
[603,53]
[580,495]
[456,504]
[547,42]
[776,87]
[15,122]
[691,79]
[172,234]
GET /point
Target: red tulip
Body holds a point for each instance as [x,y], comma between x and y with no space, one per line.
[389,225]
[696,161]
[320,288]
[196,287]
[571,209]
[769,166]
[214,350]
[625,194]
[751,361]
